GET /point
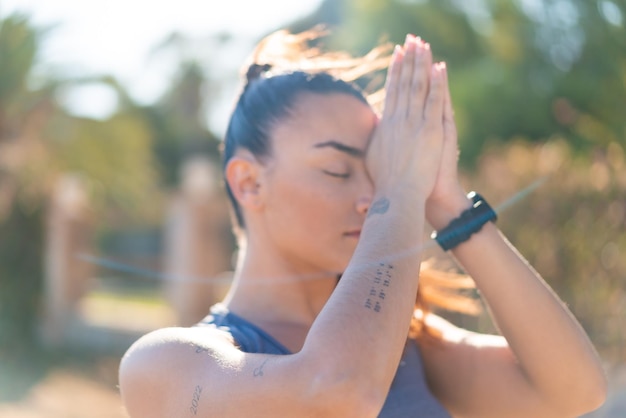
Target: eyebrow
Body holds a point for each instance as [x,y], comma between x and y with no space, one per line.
[354,152]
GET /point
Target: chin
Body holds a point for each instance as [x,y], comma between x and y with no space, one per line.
[337,262]
[340,267]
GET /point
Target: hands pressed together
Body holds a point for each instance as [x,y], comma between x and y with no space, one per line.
[414,149]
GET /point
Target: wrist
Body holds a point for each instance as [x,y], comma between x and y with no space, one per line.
[441,212]
[403,194]
[468,223]
[395,219]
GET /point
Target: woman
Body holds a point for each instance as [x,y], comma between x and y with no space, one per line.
[322,185]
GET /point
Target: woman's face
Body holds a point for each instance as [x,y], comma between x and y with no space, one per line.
[317,187]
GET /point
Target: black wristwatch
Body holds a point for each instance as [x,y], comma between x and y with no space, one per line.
[470,222]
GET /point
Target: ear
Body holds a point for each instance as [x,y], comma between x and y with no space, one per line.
[243,175]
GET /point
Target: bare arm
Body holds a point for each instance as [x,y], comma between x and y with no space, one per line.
[545,365]
[349,358]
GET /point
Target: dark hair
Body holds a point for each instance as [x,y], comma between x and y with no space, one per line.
[265,100]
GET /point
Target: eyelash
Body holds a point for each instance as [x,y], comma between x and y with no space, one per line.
[339,175]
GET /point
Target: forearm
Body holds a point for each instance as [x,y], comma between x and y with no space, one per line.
[364,325]
[553,350]
[551,346]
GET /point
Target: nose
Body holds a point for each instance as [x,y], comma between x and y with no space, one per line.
[365,195]
[363,204]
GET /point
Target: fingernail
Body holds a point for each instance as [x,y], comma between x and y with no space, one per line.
[397,51]
[426,46]
[419,47]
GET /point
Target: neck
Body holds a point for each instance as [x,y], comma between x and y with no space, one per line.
[270,290]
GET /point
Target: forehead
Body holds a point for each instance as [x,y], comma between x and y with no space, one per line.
[316,118]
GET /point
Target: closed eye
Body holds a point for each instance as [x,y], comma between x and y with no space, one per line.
[339,175]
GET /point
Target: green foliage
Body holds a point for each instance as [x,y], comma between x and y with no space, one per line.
[40,141]
[517,68]
[18,48]
[123,161]
[114,156]
[21,272]
[177,126]
[20,232]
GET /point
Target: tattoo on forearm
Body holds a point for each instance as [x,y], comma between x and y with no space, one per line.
[380,284]
[258,372]
[380,207]
[196,400]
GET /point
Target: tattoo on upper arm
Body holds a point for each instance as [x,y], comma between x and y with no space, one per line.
[258,372]
[195,400]
[380,284]
[380,207]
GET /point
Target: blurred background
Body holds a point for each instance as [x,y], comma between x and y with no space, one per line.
[113,220]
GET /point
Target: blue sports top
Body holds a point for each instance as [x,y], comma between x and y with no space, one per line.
[409,395]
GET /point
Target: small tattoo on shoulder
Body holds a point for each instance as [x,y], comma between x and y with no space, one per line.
[200,349]
[258,372]
[380,206]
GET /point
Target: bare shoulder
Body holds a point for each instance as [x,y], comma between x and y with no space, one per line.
[153,352]
[166,341]
[167,370]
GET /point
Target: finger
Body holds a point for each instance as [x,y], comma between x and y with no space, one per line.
[391,84]
[433,112]
[450,137]
[448,110]
[421,80]
[449,125]
[406,76]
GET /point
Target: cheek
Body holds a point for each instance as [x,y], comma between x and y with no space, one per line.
[305,203]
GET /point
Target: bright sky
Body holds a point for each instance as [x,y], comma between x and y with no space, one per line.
[118,37]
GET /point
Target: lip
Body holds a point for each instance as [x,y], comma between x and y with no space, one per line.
[353,234]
